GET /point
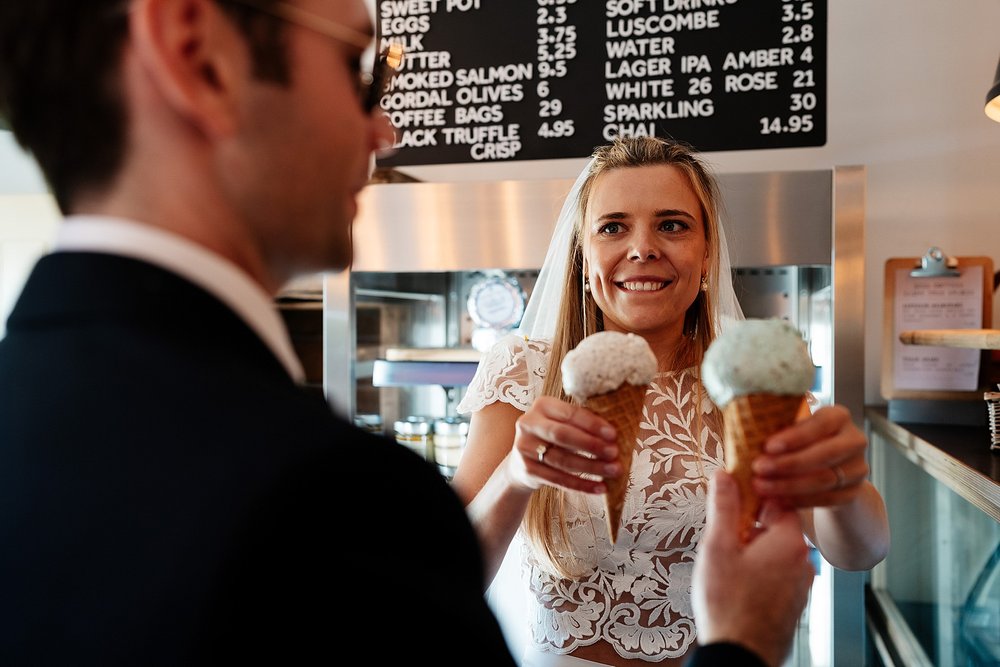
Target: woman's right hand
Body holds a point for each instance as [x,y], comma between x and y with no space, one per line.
[555,442]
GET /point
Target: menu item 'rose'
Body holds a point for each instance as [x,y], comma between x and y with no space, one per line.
[608,372]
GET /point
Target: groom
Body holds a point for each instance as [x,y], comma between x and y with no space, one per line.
[168,493]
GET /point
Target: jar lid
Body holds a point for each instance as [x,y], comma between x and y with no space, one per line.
[413,426]
[368,421]
[451,426]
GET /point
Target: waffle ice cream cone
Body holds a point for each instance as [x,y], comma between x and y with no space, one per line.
[749,421]
[758,373]
[608,373]
[623,408]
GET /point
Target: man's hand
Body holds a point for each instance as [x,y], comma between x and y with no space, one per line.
[751,594]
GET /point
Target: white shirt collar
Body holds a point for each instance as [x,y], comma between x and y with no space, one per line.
[211,272]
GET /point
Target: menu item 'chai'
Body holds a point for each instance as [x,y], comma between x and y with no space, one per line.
[608,372]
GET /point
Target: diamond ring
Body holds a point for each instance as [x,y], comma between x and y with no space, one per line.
[541,449]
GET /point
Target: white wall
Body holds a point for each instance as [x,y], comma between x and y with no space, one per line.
[28,220]
[907,82]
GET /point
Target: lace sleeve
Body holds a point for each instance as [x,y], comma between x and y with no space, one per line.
[512,371]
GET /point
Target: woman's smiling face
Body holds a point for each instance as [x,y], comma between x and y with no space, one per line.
[645,249]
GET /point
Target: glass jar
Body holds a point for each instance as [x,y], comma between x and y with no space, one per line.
[414,433]
[369,423]
[450,435]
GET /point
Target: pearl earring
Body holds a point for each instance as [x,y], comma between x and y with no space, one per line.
[586,286]
[704,284]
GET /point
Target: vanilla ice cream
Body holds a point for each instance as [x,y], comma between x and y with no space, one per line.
[606,360]
[609,373]
[757,356]
[758,372]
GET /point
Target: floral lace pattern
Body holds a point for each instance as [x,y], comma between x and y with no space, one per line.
[635,594]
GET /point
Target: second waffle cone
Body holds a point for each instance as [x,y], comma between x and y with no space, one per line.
[623,408]
[749,421]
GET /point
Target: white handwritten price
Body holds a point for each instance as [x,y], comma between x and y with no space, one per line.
[555,129]
[555,15]
[804,12]
[792,124]
[556,69]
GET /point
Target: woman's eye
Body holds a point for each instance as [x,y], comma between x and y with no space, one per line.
[610,228]
[672,225]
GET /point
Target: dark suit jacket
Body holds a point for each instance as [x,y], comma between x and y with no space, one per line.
[724,655]
[168,496]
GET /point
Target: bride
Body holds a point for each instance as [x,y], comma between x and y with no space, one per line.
[638,248]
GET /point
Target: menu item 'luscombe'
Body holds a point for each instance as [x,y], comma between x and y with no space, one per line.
[608,373]
[758,373]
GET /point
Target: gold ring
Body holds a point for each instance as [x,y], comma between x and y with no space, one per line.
[840,477]
[541,449]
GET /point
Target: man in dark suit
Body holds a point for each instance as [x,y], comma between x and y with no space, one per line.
[168,493]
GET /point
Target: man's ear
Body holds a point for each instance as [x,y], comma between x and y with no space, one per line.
[192,58]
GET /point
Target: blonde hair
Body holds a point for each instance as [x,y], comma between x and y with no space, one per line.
[544,523]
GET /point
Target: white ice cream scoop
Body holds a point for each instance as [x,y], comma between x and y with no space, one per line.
[757,356]
[606,360]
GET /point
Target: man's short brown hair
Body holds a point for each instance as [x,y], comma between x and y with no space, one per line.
[60,82]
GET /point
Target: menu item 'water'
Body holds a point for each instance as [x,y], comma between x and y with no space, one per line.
[757,372]
[608,372]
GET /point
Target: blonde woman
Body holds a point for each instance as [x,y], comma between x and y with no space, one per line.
[638,248]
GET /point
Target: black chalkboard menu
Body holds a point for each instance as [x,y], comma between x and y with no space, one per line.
[491,80]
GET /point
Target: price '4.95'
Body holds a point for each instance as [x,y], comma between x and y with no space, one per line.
[555,129]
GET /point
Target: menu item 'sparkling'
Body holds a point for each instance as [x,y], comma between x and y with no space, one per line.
[758,373]
[608,372]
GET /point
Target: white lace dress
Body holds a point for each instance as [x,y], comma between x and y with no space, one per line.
[636,594]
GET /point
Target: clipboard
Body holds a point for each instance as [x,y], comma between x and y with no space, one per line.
[935,292]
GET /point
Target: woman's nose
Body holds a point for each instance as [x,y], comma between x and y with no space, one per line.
[643,249]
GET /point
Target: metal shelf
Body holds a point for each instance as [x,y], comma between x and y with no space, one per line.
[414,373]
[977,339]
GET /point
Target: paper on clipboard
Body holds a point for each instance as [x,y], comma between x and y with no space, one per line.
[939,302]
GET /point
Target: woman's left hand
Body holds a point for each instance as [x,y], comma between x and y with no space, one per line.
[817,462]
